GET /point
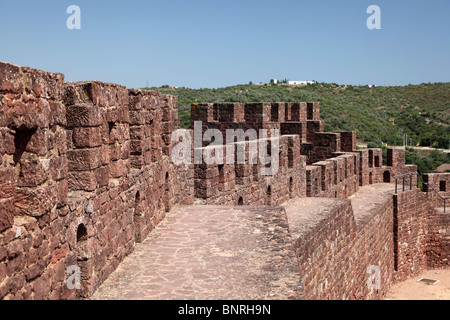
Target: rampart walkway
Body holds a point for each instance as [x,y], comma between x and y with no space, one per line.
[217,252]
[211,252]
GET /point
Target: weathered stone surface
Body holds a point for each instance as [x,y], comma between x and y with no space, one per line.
[84,159]
[6,214]
[86,173]
[252,259]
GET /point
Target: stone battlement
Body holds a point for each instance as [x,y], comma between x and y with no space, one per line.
[86,174]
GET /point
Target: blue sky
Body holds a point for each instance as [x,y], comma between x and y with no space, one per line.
[216,43]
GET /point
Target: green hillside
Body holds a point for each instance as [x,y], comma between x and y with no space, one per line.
[379,114]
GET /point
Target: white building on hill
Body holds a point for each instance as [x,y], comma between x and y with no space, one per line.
[301,82]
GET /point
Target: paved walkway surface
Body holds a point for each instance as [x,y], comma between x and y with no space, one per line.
[370,198]
[226,253]
[211,252]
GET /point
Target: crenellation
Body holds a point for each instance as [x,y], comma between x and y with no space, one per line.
[87,173]
[348,141]
[313,111]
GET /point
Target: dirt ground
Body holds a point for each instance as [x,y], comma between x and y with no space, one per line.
[413,290]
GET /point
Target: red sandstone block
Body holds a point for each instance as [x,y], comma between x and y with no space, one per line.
[166,139]
[59,254]
[58,167]
[41,286]
[3,274]
[136,101]
[34,202]
[95,92]
[33,171]
[57,140]
[202,112]
[38,141]
[348,141]
[57,113]
[110,116]
[137,161]
[35,270]
[108,95]
[19,111]
[136,147]
[7,141]
[206,193]
[82,180]
[227,186]
[155,142]
[102,176]
[11,285]
[125,150]
[167,115]
[291,128]
[16,79]
[168,127]
[123,114]
[22,104]
[118,168]
[84,115]
[15,264]
[205,184]
[119,133]
[105,155]
[137,132]
[87,137]
[84,159]
[137,118]
[156,155]
[167,150]
[60,189]
[6,214]
[114,152]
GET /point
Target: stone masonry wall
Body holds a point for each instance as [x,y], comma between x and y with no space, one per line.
[245,184]
[330,235]
[336,246]
[438,238]
[438,220]
[410,233]
[441,184]
[34,213]
[341,244]
[85,175]
[374,250]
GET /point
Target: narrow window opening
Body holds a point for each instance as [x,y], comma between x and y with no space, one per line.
[443,186]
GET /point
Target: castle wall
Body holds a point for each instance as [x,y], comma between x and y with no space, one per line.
[245,184]
[86,173]
[410,213]
[438,240]
[438,220]
[373,246]
[34,229]
[441,183]
[337,244]
[356,249]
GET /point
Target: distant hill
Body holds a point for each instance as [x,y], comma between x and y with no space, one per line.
[377,114]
